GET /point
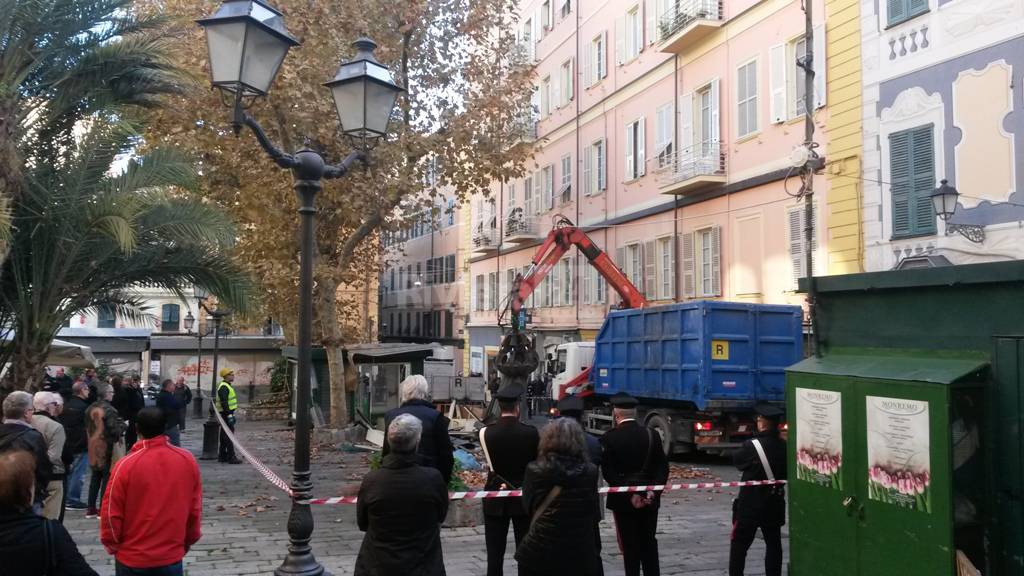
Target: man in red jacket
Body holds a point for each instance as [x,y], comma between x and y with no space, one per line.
[152,507]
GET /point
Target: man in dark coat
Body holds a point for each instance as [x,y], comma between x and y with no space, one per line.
[435,448]
[761,507]
[633,456]
[171,407]
[128,402]
[17,433]
[401,507]
[59,383]
[509,445]
[76,446]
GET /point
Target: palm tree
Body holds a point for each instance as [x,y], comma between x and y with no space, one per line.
[83,235]
[63,62]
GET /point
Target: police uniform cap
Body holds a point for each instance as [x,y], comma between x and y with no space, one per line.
[570,406]
[623,400]
[510,391]
[769,411]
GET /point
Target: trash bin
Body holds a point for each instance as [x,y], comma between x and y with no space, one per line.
[886,469]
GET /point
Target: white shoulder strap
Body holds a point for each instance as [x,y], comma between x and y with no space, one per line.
[483,444]
[760,454]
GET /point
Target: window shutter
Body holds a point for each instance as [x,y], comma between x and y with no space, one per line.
[570,91]
[923,180]
[536,31]
[686,123]
[689,271]
[672,268]
[630,168]
[901,177]
[556,92]
[649,13]
[551,14]
[777,75]
[588,281]
[472,292]
[915,7]
[715,114]
[603,55]
[641,146]
[620,261]
[589,58]
[601,159]
[556,284]
[716,261]
[896,10]
[820,87]
[650,271]
[549,189]
[796,242]
[502,288]
[537,192]
[588,167]
[620,40]
[570,281]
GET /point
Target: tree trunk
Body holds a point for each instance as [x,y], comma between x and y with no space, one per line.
[333,343]
[28,365]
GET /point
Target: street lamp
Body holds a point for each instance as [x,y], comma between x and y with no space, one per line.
[944,201]
[364,94]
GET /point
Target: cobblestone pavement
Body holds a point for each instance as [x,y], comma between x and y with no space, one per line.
[244,519]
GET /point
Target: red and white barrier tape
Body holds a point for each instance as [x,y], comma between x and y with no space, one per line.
[606,490]
[478,494]
[259,466]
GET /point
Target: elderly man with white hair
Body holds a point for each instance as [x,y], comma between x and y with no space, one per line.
[401,507]
[435,449]
[17,433]
[47,407]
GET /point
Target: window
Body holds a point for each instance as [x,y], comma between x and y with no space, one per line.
[106,316]
[169,318]
[595,60]
[912,174]
[746,99]
[566,8]
[391,282]
[548,179]
[510,279]
[666,267]
[492,290]
[449,268]
[798,90]
[529,40]
[480,288]
[634,33]
[545,15]
[567,282]
[702,263]
[565,189]
[595,289]
[635,156]
[787,78]
[566,77]
[594,168]
[418,280]
[705,134]
[600,166]
[798,241]
[430,272]
[451,211]
[664,135]
[545,97]
[902,10]
[634,265]
[528,194]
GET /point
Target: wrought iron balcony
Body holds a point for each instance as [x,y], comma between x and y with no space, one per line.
[485,239]
[694,169]
[520,227]
[687,22]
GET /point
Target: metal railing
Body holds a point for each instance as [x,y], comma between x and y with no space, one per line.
[682,13]
[517,223]
[702,159]
[485,237]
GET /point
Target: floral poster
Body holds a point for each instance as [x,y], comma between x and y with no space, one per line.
[899,461]
[819,437]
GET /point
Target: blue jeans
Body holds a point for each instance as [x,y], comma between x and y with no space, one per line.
[76,476]
[174,435]
[169,570]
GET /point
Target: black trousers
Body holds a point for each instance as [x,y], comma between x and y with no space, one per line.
[226,452]
[743,531]
[131,435]
[636,528]
[496,536]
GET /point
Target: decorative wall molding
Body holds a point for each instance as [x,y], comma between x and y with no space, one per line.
[911,103]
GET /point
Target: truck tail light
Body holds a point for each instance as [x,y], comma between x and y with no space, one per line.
[702,426]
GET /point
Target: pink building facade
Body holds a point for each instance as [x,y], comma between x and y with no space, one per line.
[665,129]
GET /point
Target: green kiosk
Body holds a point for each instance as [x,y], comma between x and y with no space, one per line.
[904,436]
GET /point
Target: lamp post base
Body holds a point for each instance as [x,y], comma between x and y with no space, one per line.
[300,560]
[211,440]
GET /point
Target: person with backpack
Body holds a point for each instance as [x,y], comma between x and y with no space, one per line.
[17,433]
[763,457]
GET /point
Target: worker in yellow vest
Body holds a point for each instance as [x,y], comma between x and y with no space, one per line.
[227,403]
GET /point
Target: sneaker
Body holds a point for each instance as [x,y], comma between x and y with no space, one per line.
[92,513]
[75,506]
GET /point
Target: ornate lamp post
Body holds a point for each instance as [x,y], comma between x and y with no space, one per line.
[248,41]
[944,200]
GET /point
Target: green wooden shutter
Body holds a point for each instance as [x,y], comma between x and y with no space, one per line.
[915,7]
[897,11]
[912,176]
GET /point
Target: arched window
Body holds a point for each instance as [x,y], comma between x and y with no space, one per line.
[169,318]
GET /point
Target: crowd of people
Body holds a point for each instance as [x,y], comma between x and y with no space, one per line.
[556,521]
[150,527]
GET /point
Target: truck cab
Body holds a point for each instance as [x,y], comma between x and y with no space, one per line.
[571,359]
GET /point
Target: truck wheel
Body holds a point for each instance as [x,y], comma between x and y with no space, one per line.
[659,424]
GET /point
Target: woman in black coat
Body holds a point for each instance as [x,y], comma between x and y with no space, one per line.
[31,545]
[401,507]
[560,495]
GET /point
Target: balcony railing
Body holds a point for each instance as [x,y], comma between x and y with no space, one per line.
[485,238]
[519,226]
[687,21]
[525,128]
[695,168]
